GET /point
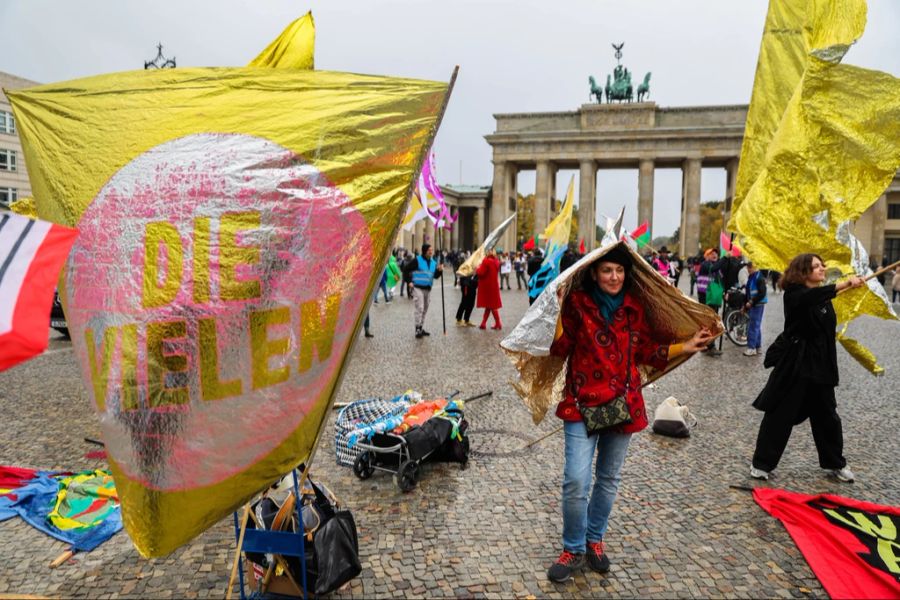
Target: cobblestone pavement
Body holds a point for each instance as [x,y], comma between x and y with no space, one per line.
[492,529]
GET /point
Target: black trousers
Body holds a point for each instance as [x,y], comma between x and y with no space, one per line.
[805,399]
[466,303]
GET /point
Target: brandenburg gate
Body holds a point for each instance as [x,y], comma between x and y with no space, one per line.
[639,135]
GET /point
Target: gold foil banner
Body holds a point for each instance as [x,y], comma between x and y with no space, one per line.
[822,143]
[233,224]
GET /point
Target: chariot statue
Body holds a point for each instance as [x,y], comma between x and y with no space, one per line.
[618,85]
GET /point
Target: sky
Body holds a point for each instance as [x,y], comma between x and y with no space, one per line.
[514,56]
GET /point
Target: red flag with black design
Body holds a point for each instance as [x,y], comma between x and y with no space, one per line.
[851,546]
[31,255]
[581,246]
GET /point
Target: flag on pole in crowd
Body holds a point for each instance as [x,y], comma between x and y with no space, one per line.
[493,238]
[428,201]
[557,235]
[613,229]
[529,245]
[182,287]
[727,247]
[429,188]
[817,153]
[581,246]
[641,235]
[32,254]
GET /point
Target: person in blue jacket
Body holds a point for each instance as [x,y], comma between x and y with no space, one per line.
[423,270]
[754,307]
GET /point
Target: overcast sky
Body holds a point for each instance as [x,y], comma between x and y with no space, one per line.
[514,56]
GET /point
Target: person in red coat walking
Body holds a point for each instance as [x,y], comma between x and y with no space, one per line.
[489,289]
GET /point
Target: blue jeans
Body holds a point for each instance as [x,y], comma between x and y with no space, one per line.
[585,521]
[754,327]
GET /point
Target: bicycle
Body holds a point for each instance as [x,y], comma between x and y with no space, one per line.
[735,319]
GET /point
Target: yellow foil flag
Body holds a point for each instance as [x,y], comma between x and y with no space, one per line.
[231,224]
[822,144]
[293,49]
[558,231]
[24,207]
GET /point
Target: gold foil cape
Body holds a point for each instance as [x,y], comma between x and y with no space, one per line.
[232,221]
[672,315]
[474,261]
[822,143]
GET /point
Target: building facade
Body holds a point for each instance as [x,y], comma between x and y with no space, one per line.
[13,175]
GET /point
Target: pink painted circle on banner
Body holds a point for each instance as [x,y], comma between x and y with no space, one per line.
[313,244]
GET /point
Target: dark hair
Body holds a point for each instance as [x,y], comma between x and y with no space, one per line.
[798,271]
[425,248]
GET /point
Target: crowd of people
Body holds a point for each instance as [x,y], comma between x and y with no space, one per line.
[606,337]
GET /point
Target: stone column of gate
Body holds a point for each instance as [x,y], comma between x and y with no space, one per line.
[499,201]
[646,170]
[481,230]
[587,203]
[731,169]
[454,233]
[690,223]
[543,196]
[509,238]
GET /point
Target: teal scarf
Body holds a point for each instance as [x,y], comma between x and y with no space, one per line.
[607,303]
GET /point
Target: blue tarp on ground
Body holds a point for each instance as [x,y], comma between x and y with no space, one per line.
[36,499]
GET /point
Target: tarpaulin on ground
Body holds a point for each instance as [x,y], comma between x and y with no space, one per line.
[673,316]
[852,546]
[822,143]
[81,510]
[234,222]
[32,254]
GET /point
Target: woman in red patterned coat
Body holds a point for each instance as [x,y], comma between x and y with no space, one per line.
[606,336]
[489,289]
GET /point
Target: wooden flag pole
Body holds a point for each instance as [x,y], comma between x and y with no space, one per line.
[893,265]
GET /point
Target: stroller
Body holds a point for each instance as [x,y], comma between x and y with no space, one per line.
[361,443]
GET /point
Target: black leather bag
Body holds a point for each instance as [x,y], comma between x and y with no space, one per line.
[337,552]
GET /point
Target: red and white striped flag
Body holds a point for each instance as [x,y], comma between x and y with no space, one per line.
[31,255]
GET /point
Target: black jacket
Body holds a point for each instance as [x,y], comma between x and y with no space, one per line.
[806,351]
[809,315]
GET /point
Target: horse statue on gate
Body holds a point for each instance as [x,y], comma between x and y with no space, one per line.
[595,90]
[644,88]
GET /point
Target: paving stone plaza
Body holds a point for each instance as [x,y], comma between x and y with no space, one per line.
[678,529]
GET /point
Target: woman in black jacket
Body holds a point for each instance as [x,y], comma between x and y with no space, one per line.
[807,391]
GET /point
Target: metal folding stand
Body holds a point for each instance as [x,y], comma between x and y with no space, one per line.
[274,542]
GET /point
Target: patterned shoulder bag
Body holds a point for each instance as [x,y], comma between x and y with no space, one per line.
[603,417]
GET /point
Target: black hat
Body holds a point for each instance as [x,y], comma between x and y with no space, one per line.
[618,255]
[663,250]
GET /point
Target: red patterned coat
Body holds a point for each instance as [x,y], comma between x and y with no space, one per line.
[597,365]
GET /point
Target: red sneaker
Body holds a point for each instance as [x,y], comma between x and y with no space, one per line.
[596,557]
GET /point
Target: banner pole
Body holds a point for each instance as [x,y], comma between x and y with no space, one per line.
[443,308]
